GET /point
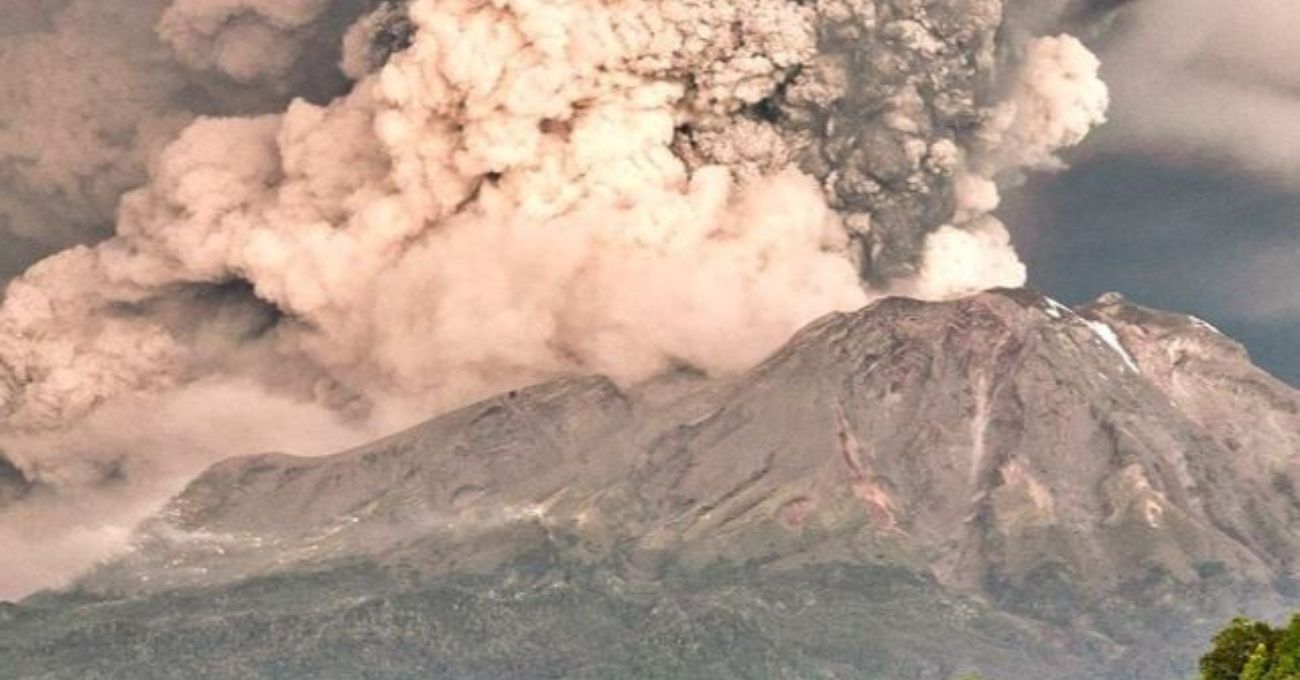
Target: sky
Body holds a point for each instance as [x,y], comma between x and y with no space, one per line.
[1188,199]
[1223,247]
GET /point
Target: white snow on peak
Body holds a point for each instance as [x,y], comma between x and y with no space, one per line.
[1204,324]
[1108,336]
[1056,310]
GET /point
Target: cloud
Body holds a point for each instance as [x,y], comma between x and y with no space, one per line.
[1208,81]
[91,92]
[94,481]
[1213,86]
[493,206]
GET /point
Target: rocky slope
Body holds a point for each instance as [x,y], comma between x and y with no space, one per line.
[915,490]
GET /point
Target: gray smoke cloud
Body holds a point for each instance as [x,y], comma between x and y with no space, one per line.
[1209,82]
[70,145]
[93,91]
[72,498]
[509,190]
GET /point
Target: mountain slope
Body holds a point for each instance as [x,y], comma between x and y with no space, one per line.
[913,490]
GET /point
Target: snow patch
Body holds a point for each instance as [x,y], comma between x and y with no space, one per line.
[1202,323]
[1108,336]
[1056,310]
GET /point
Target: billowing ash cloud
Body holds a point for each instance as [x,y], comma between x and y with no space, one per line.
[93,90]
[71,145]
[520,188]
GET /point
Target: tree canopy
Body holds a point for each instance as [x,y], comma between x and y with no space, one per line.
[1253,650]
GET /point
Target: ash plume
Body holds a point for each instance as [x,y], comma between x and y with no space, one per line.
[92,91]
[1208,82]
[511,190]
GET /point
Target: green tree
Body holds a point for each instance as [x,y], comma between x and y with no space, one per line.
[1285,661]
[1253,650]
[1257,665]
[1233,648]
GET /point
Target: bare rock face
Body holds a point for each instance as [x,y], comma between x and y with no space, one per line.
[1209,377]
[1100,487]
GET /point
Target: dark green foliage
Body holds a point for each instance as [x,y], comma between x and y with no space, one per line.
[531,621]
[1253,650]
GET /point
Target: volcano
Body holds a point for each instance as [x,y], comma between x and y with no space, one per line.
[997,485]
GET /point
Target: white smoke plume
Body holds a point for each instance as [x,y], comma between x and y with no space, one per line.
[1210,82]
[1056,100]
[499,202]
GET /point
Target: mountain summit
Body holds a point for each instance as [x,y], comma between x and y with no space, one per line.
[999,485]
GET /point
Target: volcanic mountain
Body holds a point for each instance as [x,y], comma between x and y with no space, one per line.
[999,485]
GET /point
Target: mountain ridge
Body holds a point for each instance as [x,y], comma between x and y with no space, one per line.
[1075,473]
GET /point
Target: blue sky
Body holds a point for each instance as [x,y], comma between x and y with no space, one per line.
[1223,246]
